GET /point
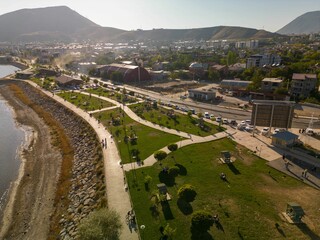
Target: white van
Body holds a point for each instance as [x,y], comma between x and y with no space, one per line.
[206,115]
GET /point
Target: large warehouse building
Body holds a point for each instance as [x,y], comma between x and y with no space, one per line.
[130,73]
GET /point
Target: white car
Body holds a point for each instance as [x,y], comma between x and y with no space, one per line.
[218,119]
[225,121]
[276,131]
[265,131]
[249,128]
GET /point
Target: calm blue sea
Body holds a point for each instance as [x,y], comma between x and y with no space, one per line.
[11,138]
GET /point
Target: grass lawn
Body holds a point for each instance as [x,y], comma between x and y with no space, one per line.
[248,203]
[148,139]
[112,94]
[174,120]
[85,102]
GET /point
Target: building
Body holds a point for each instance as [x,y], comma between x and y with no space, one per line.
[26,74]
[247,44]
[269,113]
[129,73]
[196,69]
[67,81]
[235,84]
[263,60]
[271,84]
[202,94]
[85,67]
[45,72]
[303,84]
[284,139]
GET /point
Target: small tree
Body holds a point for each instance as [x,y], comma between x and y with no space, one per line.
[160,155]
[169,232]
[173,147]
[103,224]
[174,171]
[201,221]
[187,192]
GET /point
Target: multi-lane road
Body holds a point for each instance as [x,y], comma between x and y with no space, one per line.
[215,109]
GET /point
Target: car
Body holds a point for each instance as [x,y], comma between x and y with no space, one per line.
[206,115]
[248,121]
[265,131]
[225,121]
[276,131]
[232,122]
[211,116]
[249,128]
[218,119]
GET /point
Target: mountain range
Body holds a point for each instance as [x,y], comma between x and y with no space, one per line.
[304,24]
[63,24]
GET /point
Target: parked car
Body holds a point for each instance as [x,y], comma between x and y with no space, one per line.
[211,116]
[225,121]
[265,131]
[207,115]
[233,122]
[249,128]
[218,119]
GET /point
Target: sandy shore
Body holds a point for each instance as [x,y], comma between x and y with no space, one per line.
[30,203]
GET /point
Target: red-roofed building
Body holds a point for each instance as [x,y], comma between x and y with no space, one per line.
[130,73]
[302,84]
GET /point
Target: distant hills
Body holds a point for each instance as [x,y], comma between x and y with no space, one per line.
[63,24]
[305,24]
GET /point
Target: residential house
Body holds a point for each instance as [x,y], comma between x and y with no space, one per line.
[303,84]
[271,84]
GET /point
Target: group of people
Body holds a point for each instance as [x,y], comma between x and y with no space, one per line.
[104,143]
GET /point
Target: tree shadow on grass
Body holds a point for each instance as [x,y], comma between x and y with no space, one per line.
[198,235]
[154,212]
[279,229]
[167,213]
[166,178]
[184,206]
[307,231]
[182,170]
[233,169]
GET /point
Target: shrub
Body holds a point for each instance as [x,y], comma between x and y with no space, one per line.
[160,155]
[201,221]
[147,179]
[103,224]
[174,171]
[173,147]
[187,193]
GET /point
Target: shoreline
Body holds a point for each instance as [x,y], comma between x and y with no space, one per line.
[29,201]
[6,212]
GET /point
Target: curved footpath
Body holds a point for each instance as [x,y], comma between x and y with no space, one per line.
[118,198]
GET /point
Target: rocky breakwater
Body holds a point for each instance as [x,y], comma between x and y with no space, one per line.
[87,191]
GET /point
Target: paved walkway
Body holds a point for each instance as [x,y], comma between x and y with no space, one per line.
[149,161]
[312,178]
[118,197]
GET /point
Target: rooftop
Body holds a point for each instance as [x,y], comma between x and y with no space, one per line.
[275,80]
[303,76]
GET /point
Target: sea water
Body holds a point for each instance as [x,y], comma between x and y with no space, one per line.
[11,139]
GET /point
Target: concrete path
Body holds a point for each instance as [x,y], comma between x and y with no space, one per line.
[311,178]
[149,161]
[118,197]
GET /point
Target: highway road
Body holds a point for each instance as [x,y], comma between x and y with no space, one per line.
[215,109]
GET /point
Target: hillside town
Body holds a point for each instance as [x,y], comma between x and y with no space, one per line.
[165,139]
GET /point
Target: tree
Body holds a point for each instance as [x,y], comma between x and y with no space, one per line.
[201,221]
[169,232]
[174,171]
[102,224]
[173,147]
[187,192]
[160,155]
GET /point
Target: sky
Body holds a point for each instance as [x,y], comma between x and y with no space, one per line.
[270,15]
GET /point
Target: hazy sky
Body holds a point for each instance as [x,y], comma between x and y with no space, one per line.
[270,15]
